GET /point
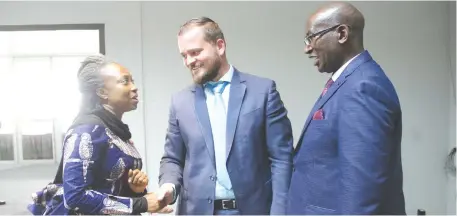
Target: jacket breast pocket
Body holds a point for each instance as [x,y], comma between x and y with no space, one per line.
[250,122]
[319,123]
[319,128]
[250,111]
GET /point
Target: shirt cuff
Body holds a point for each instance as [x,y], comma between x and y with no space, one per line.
[140,205]
[174,192]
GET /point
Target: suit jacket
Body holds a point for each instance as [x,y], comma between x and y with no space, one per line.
[259,148]
[349,162]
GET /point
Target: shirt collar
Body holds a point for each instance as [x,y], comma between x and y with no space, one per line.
[228,76]
[341,69]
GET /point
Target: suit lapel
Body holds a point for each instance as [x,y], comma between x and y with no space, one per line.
[237,91]
[362,58]
[319,104]
[201,110]
[335,86]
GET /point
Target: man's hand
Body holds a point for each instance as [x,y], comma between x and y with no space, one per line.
[156,206]
[138,181]
[166,193]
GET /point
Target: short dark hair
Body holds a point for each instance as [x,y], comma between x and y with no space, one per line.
[212,30]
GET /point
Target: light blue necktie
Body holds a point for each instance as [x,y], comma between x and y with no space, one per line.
[219,121]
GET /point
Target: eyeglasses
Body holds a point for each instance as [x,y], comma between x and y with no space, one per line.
[308,39]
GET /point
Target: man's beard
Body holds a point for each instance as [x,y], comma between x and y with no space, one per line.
[208,75]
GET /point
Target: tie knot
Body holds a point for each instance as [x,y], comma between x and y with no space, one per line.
[329,83]
[327,86]
[216,87]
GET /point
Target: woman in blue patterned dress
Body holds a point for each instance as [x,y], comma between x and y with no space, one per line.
[100,171]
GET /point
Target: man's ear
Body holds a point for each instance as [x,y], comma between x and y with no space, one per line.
[343,34]
[220,44]
[102,93]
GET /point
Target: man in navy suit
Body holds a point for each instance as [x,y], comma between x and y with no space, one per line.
[348,158]
[229,143]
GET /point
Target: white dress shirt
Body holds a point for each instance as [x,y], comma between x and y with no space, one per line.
[221,192]
[341,69]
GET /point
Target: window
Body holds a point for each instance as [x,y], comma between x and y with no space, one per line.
[38,86]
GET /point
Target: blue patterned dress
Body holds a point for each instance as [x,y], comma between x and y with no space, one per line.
[95,174]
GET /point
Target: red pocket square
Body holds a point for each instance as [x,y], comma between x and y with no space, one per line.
[318,115]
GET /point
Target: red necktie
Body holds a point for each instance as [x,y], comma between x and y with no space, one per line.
[327,86]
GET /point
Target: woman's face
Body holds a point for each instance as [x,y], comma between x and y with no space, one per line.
[119,92]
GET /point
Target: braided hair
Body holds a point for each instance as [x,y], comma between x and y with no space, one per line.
[90,81]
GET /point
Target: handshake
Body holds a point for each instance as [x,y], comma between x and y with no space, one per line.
[158,203]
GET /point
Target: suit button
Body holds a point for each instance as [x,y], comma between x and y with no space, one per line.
[212,178]
[210,201]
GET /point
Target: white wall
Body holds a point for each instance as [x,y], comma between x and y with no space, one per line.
[452,32]
[451,195]
[266,38]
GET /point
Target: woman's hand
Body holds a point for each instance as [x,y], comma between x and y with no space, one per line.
[138,181]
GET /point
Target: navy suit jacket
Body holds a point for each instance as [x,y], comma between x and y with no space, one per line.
[259,148]
[350,161]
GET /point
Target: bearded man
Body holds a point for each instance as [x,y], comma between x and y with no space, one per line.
[228,148]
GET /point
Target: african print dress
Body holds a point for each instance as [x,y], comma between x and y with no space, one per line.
[96,163]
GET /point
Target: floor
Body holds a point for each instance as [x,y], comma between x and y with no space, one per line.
[17,183]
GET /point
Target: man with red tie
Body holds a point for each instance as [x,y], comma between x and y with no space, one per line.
[348,157]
